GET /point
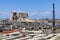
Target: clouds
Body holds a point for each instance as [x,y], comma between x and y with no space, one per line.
[4,15]
[33,13]
[38,14]
[45,13]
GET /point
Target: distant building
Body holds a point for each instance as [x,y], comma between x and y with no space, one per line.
[18,16]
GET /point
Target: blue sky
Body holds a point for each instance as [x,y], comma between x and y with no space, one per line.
[37,9]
